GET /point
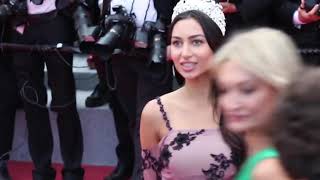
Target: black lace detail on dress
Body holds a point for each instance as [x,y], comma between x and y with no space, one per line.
[184,138]
[157,165]
[176,144]
[217,169]
[150,162]
[164,158]
[164,113]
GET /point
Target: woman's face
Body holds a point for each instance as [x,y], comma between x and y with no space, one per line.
[190,50]
[246,101]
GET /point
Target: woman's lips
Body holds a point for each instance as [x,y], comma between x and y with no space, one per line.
[188,66]
[235,118]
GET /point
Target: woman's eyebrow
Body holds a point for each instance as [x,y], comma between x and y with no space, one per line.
[190,37]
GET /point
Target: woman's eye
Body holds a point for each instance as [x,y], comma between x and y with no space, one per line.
[247,90]
[221,91]
[197,42]
[176,43]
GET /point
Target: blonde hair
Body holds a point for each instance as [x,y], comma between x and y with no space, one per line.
[267,53]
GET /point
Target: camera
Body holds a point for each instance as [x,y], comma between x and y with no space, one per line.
[309,4]
[152,36]
[13,7]
[118,31]
[115,31]
[82,20]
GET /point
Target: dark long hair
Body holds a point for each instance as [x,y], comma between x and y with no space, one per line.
[235,141]
[296,133]
[214,38]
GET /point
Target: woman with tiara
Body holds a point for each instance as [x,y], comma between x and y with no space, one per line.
[181,134]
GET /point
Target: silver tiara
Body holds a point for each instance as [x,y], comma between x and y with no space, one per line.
[209,7]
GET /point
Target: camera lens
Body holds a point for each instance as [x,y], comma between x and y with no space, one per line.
[141,39]
[158,52]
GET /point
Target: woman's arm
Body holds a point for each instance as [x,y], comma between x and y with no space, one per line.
[149,137]
[149,125]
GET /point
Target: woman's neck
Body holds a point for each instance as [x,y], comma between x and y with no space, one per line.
[197,89]
[256,141]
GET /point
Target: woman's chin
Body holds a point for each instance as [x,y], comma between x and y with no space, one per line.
[237,127]
[192,75]
[189,76]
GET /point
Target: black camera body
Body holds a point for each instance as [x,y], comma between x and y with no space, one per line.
[309,4]
[119,31]
[83,19]
[152,36]
[115,32]
[13,7]
[119,28]
[144,34]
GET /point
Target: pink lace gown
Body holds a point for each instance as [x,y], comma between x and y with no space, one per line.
[188,155]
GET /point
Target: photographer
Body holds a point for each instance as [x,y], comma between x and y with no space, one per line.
[297,17]
[49,22]
[133,75]
[101,93]
[9,99]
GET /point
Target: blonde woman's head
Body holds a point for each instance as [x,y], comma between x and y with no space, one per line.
[267,53]
[250,72]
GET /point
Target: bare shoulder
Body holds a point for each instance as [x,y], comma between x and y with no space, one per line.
[171,98]
[270,169]
[152,124]
[152,108]
[151,112]
[149,125]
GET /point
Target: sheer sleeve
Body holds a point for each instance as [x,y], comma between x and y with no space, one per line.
[150,164]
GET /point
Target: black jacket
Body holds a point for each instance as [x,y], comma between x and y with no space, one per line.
[278,14]
[165,9]
[257,13]
[308,35]
[272,13]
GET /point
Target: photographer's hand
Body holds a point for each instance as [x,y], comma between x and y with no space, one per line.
[228,8]
[310,16]
[90,57]
[89,38]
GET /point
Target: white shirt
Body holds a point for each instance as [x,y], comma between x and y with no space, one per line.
[100,4]
[140,8]
[45,7]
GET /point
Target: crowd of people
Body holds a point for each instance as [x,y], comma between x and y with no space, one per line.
[246,107]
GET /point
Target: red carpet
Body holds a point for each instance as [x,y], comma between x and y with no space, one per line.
[22,171]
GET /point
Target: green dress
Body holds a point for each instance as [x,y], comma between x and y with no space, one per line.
[246,171]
